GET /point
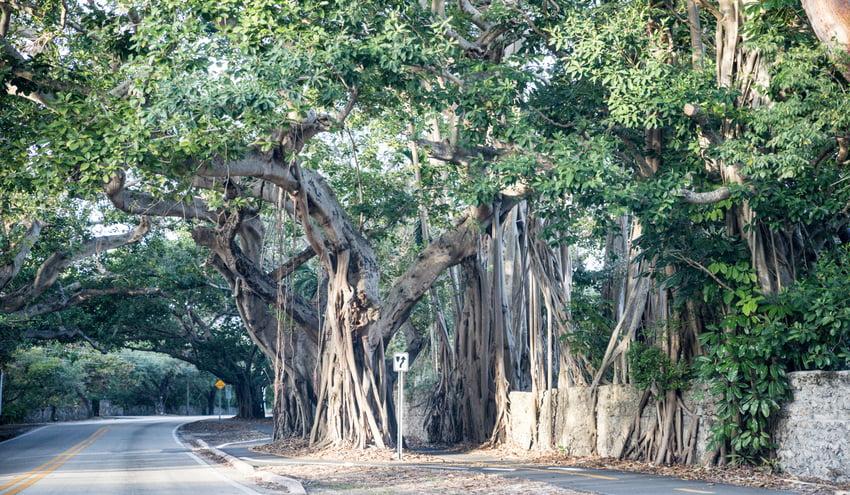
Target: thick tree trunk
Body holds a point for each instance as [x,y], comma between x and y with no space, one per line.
[249,399]
[830,20]
[745,69]
[210,401]
[352,403]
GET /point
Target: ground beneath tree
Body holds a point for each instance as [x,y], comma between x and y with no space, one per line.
[297,448]
[363,480]
[752,476]
[228,430]
[357,480]
[400,478]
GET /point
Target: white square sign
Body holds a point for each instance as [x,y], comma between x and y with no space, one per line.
[401,361]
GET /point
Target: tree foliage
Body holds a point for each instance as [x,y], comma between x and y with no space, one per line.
[350,169]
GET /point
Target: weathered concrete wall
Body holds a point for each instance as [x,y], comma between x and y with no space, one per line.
[698,401]
[813,432]
[616,407]
[107,408]
[523,419]
[563,419]
[547,411]
[46,414]
[575,423]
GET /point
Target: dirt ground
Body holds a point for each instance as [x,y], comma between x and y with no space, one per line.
[363,480]
[217,432]
[356,480]
[758,477]
[359,480]
[297,448]
[754,476]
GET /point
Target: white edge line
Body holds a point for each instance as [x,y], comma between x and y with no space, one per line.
[567,469]
[228,444]
[239,486]
[22,435]
[497,469]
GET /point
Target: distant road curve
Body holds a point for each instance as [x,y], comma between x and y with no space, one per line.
[138,455]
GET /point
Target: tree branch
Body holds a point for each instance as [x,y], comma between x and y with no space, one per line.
[704,198]
[447,250]
[139,203]
[229,259]
[10,270]
[53,266]
[292,264]
[445,151]
[60,302]
[62,332]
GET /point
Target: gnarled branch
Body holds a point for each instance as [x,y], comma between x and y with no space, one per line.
[10,270]
[704,198]
[139,203]
[292,264]
[53,266]
[61,302]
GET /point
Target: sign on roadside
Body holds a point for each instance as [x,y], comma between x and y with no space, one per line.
[401,362]
[219,384]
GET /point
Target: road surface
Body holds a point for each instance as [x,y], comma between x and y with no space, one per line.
[111,456]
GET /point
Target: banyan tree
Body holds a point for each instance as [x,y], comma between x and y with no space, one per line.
[675,163]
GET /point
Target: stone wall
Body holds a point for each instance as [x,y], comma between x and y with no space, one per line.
[813,432]
[107,409]
[616,407]
[47,414]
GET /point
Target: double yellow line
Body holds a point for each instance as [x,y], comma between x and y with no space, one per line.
[32,477]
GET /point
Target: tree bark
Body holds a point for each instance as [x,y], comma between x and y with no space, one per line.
[249,399]
[48,272]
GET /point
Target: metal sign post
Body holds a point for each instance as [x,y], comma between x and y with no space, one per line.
[219,384]
[401,363]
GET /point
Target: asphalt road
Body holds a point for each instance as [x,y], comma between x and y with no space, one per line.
[112,456]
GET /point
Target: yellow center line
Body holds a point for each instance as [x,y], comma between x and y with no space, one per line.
[48,467]
[691,490]
[36,469]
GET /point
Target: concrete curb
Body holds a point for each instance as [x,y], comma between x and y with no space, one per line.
[290,484]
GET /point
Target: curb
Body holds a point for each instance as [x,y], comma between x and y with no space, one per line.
[290,484]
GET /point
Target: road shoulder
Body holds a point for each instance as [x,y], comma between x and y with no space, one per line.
[212,456]
[11,432]
[356,478]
